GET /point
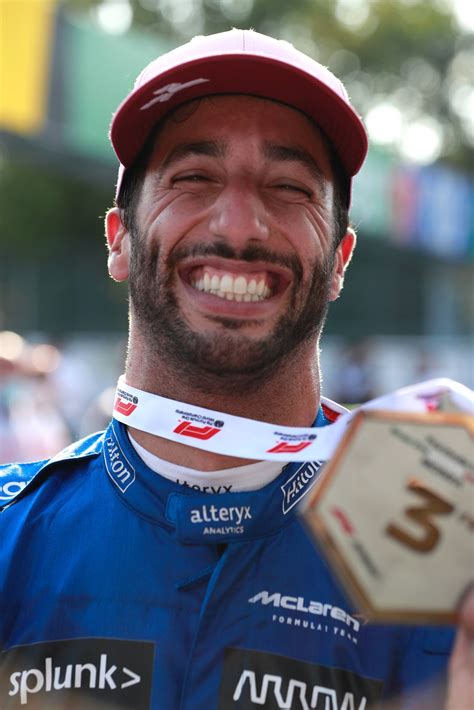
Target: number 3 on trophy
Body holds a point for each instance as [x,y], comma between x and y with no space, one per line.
[422,515]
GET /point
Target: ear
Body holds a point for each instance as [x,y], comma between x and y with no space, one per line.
[119,245]
[342,258]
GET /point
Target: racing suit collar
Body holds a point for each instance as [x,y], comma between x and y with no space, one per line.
[205,518]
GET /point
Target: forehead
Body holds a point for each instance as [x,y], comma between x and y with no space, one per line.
[251,119]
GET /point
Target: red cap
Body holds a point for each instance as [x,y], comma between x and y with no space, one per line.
[238,62]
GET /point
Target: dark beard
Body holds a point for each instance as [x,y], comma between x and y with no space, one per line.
[228,358]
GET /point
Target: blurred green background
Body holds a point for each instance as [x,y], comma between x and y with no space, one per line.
[408,66]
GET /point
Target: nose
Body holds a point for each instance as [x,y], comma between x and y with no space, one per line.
[239,215]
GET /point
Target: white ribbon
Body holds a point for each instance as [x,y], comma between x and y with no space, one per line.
[227,434]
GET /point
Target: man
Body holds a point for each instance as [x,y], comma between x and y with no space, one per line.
[144,572]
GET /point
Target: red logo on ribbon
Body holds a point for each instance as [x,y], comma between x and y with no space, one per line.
[197,432]
[125,408]
[284,448]
[344,521]
[433,401]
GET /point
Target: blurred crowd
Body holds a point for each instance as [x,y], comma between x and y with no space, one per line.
[49,397]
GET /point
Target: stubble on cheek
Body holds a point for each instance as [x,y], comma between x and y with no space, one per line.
[144,280]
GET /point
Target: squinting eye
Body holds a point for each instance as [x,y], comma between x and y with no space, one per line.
[192,177]
[296,189]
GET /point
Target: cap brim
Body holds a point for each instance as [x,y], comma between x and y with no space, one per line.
[239,73]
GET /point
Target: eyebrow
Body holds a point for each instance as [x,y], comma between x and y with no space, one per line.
[213,149]
[271,151]
[284,153]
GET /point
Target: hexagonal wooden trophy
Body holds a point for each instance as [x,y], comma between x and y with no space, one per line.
[394,513]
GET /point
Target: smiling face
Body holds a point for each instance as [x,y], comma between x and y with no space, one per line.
[232,258]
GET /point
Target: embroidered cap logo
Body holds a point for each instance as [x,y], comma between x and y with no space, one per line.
[167,92]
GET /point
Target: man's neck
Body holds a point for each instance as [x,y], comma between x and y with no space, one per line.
[290,397]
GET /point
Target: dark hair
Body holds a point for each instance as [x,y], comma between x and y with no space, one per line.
[134,176]
[341,196]
[132,181]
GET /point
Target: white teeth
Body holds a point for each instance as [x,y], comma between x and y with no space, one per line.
[240,285]
[233,287]
[227,284]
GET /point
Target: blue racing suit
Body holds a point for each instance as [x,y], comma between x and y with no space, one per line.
[122,587]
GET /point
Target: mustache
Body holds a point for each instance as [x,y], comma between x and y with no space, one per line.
[250,253]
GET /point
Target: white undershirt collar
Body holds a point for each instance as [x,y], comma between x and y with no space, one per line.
[249,477]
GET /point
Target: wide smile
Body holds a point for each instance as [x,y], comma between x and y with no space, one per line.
[243,286]
[254,286]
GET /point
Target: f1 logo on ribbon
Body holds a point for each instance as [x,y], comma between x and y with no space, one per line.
[285,448]
[432,400]
[197,432]
[125,408]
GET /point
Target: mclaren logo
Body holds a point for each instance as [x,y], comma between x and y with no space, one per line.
[317,608]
